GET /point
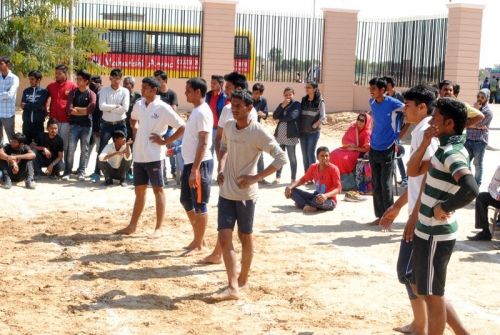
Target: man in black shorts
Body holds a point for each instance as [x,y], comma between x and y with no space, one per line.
[242,143]
[149,121]
[198,162]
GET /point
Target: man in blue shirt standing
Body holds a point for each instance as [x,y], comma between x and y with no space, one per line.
[387,118]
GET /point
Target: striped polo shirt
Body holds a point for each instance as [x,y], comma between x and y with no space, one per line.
[450,157]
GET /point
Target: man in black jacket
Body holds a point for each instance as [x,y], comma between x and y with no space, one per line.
[34,102]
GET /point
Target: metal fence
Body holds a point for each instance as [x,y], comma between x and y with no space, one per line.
[144,37]
[282,47]
[412,51]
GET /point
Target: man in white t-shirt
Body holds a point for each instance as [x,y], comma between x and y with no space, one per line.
[196,176]
[149,120]
[418,107]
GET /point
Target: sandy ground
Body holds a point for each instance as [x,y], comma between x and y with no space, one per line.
[63,272]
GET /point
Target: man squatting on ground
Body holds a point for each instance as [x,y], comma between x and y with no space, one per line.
[243,141]
[418,107]
[149,121]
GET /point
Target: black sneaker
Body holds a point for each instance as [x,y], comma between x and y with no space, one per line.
[7,183]
[108,182]
[29,183]
[481,236]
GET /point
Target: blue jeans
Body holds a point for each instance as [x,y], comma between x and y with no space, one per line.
[107,130]
[82,134]
[303,198]
[308,144]
[476,151]
[290,149]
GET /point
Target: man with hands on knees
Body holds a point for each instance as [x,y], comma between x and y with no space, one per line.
[242,143]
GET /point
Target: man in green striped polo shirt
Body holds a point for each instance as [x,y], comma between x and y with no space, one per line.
[449,186]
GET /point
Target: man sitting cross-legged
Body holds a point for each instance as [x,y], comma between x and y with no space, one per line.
[326,177]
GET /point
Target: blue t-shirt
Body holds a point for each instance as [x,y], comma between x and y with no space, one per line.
[387,118]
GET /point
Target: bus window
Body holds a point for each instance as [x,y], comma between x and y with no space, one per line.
[115,40]
[135,41]
[172,44]
[194,45]
[241,47]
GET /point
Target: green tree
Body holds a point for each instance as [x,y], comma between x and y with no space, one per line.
[35,38]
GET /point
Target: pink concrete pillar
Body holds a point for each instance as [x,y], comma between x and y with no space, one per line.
[217,52]
[339,58]
[463,48]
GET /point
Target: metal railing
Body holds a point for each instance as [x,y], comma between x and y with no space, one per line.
[412,51]
[282,47]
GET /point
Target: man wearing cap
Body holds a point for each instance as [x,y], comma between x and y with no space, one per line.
[116,158]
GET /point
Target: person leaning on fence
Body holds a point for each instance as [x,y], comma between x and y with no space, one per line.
[116,158]
[16,162]
[260,105]
[312,116]
[9,84]
[287,131]
[326,178]
[34,105]
[49,150]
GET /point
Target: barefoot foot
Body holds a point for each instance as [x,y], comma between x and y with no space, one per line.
[408,329]
[129,230]
[211,259]
[227,294]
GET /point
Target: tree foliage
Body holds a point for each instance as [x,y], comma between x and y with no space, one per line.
[36,39]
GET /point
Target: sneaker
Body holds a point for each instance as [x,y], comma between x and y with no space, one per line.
[108,182]
[95,178]
[481,236]
[30,184]
[276,181]
[123,183]
[264,182]
[81,177]
[65,177]
[130,176]
[404,184]
[7,183]
[352,196]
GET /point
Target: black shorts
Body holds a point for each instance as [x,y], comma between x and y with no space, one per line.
[430,262]
[151,172]
[231,211]
[197,198]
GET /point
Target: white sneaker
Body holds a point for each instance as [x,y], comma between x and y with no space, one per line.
[65,177]
[81,177]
